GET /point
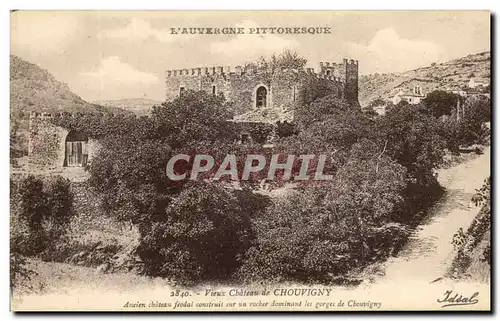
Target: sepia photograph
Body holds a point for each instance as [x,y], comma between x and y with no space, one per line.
[250,161]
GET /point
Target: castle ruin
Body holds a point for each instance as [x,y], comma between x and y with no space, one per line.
[253,87]
[250,88]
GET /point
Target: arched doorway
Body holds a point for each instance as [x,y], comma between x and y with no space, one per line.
[261,97]
[76,154]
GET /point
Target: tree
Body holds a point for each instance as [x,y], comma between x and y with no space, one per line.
[469,129]
[130,176]
[178,222]
[194,116]
[377,102]
[414,140]
[288,59]
[319,108]
[440,103]
[41,214]
[326,230]
[478,107]
[199,236]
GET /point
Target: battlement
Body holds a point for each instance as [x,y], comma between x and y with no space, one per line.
[203,71]
[250,69]
[255,86]
[345,61]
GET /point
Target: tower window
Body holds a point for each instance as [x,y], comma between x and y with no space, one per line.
[214,90]
[181,90]
[261,97]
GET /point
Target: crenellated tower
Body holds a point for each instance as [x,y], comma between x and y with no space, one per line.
[347,73]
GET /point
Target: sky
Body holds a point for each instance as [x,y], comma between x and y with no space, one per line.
[105,55]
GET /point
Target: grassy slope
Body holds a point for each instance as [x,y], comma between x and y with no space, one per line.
[35,89]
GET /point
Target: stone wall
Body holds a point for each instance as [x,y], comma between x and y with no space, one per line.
[351,88]
[346,73]
[46,144]
[285,88]
[239,85]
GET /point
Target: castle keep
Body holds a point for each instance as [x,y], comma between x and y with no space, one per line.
[253,87]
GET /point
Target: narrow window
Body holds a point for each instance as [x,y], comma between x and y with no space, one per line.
[294,92]
[181,90]
[214,90]
[261,97]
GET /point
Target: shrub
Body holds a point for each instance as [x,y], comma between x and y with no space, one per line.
[413,140]
[199,237]
[328,230]
[466,243]
[59,205]
[440,102]
[42,214]
[286,129]
[32,208]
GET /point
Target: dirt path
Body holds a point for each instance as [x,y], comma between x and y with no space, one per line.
[429,253]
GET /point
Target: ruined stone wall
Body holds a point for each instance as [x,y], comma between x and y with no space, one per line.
[285,88]
[345,72]
[351,89]
[239,85]
[243,91]
[46,144]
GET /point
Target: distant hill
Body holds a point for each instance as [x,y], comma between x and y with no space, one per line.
[138,106]
[35,89]
[451,75]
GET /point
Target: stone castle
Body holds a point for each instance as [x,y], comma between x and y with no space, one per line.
[253,87]
[250,88]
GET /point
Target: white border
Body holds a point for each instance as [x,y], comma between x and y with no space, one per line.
[201,5]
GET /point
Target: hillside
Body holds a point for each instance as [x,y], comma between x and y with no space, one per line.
[138,106]
[451,75]
[35,89]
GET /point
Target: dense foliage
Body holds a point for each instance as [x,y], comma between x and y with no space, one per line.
[468,127]
[440,102]
[383,182]
[326,230]
[199,236]
[383,179]
[467,242]
[44,208]
[40,215]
